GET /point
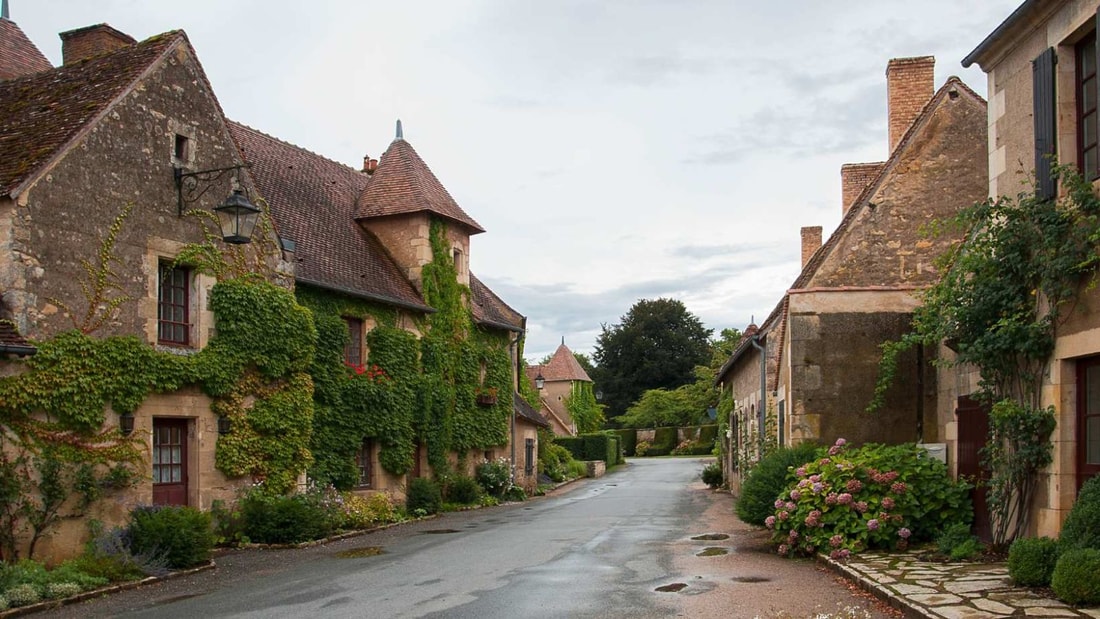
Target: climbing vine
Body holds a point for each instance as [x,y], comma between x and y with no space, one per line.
[56,454]
[454,355]
[587,414]
[1005,287]
[450,390]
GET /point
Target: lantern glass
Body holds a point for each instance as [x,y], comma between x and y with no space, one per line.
[126,424]
[237,218]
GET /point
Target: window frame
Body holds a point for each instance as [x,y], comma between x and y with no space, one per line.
[166,283]
[355,341]
[364,464]
[1084,84]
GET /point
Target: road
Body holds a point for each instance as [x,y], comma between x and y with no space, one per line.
[598,548]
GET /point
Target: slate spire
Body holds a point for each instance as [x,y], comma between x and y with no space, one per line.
[4,10]
[400,134]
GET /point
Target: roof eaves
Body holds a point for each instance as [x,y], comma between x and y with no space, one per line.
[1015,18]
[367,295]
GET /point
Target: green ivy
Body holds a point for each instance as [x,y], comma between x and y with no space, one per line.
[427,389]
[587,414]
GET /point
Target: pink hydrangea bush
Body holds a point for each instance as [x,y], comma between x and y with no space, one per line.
[876,496]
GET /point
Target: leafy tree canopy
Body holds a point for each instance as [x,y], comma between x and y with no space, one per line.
[656,346]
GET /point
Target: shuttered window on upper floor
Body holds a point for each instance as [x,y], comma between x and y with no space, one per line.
[1087,92]
[1044,115]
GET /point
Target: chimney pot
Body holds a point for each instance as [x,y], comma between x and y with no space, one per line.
[811,242]
[910,83]
[82,43]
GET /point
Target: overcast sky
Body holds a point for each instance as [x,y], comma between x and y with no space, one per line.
[614,150]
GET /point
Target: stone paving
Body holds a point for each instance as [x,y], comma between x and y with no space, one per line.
[951,590]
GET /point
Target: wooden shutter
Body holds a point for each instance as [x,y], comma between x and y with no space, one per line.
[1044,113]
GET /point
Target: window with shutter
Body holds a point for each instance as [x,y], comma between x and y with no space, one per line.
[1087,91]
[1044,114]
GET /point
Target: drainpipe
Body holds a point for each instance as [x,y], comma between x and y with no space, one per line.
[761,409]
[920,393]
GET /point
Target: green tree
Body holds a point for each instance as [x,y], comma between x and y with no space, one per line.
[999,303]
[660,408]
[656,346]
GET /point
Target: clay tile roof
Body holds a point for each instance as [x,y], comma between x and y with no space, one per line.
[404,184]
[489,310]
[523,409]
[563,366]
[312,200]
[11,341]
[18,56]
[41,113]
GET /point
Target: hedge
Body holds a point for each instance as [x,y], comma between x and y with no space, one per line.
[664,441]
[598,446]
[629,440]
[708,434]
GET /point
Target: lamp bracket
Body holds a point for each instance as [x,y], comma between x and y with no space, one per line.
[188,189]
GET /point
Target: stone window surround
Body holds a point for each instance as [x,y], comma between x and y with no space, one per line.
[157,252]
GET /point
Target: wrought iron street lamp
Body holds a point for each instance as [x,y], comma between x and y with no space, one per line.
[539,381]
[237,216]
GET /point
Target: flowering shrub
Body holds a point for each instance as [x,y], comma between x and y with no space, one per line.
[876,496]
[495,477]
[641,448]
[365,512]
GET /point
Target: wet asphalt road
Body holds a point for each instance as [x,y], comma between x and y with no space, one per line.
[598,548]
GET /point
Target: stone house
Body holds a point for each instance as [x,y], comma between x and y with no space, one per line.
[365,234]
[1041,69]
[78,144]
[857,290]
[562,378]
[135,125]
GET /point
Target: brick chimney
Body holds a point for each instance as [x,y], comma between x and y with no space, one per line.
[76,45]
[910,84]
[369,165]
[854,178]
[811,241]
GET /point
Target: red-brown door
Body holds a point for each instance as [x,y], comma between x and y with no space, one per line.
[1088,419]
[973,417]
[169,462]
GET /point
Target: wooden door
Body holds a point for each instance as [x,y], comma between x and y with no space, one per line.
[973,419]
[169,462]
[1088,419]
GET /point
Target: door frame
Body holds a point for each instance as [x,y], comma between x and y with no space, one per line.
[1082,470]
[182,491]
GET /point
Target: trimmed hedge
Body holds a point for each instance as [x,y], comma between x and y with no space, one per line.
[629,438]
[664,441]
[574,444]
[597,446]
[1082,526]
[708,433]
[1031,561]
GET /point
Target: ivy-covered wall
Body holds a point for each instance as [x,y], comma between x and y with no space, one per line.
[449,390]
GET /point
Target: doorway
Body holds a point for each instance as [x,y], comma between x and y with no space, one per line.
[169,462]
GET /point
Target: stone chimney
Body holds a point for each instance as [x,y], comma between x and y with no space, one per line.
[854,178]
[76,45]
[910,84]
[811,241]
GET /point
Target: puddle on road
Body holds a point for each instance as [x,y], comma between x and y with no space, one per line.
[710,537]
[359,553]
[675,587]
[439,531]
[750,579]
[713,551]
